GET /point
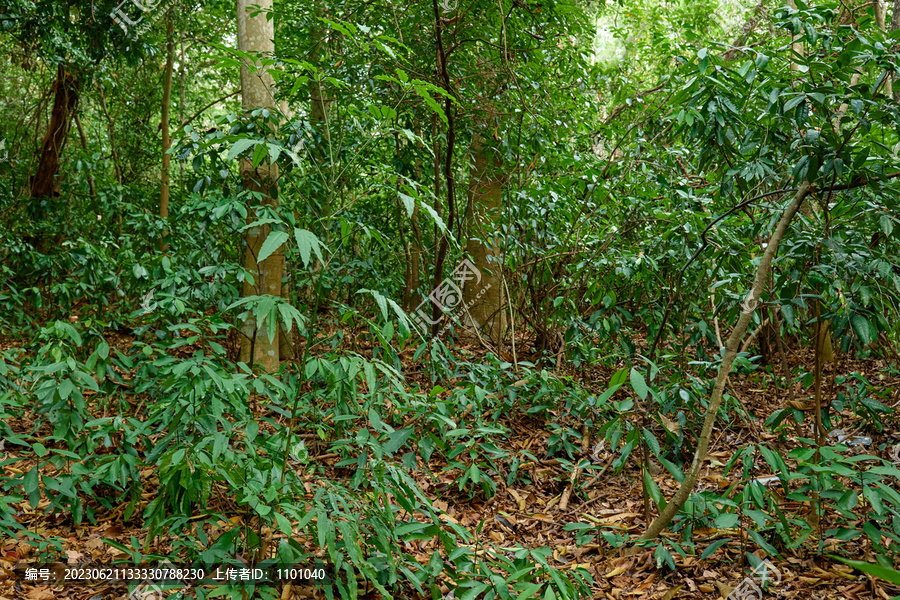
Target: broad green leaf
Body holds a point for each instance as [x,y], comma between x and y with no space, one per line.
[863,328]
[793,102]
[396,439]
[409,202]
[284,525]
[307,244]
[638,384]
[727,520]
[30,483]
[530,591]
[431,102]
[273,242]
[259,154]
[238,147]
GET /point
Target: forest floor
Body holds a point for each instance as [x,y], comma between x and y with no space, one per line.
[534,511]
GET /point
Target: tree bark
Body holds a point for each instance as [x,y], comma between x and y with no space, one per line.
[166,140]
[84,146]
[796,47]
[439,25]
[895,25]
[746,31]
[45,183]
[731,350]
[319,119]
[484,298]
[256,34]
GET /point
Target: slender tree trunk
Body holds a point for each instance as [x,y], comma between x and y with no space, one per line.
[166,140]
[412,280]
[256,34]
[84,146]
[45,183]
[895,25]
[484,298]
[796,47]
[321,149]
[731,350]
[880,7]
[439,25]
[111,130]
[319,118]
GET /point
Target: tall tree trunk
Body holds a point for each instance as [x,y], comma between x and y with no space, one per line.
[796,47]
[449,178]
[319,119]
[895,25]
[484,298]
[45,183]
[164,123]
[111,130]
[256,34]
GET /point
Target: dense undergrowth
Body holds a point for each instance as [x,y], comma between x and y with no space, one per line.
[626,258]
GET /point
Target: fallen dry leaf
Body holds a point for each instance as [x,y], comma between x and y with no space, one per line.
[670,595]
[42,592]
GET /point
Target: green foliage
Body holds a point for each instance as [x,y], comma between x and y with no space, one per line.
[630,222]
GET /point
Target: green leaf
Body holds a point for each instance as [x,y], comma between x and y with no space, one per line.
[396,440]
[251,430]
[863,328]
[442,227]
[788,311]
[307,243]
[652,442]
[259,154]
[702,60]
[727,520]
[530,591]
[759,539]
[793,102]
[431,103]
[238,147]
[30,483]
[409,202]
[284,525]
[273,242]
[653,491]
[876,570]
[618,378]
[711,549]
[638,384]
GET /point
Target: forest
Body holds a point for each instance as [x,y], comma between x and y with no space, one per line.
[450,299]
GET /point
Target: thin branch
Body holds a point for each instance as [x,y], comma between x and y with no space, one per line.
[201,111]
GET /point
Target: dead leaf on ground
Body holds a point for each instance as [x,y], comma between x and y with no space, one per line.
[42,592]
[670,595]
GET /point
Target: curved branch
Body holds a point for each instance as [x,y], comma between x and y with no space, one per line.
[731,351]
